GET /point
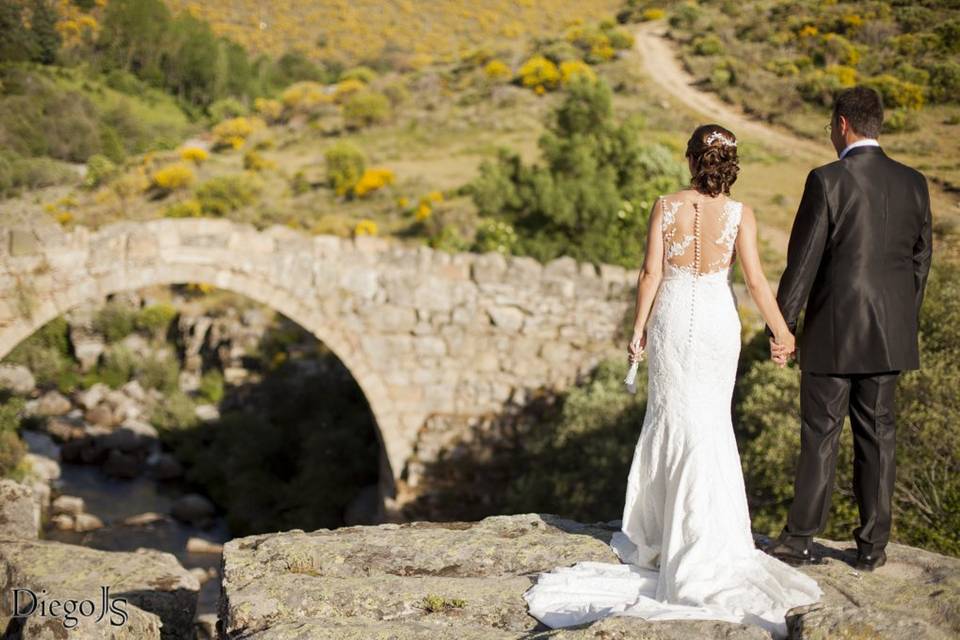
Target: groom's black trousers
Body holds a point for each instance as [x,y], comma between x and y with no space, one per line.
[824,402]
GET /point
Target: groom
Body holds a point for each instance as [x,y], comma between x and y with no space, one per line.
[857,261]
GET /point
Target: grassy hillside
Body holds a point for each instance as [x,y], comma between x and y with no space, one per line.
[404,32]
[783,61]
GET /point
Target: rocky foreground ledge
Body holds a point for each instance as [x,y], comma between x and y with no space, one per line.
[465,580]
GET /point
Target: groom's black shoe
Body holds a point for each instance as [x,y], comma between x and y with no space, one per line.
[792,551]
[870,561]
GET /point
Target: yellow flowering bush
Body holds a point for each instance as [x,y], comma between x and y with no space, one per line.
[846,75]
[572,69]
[346,88]
[362,73]
[653,13]
[305,96]
[371,180]
[434,196]
[423,211]
[235,131]
[200,287]
[186,209]
[539,73]
[172,177]
[897,92]
[196,155]
[269,109]
[365,227]
[497,71]
[808,31]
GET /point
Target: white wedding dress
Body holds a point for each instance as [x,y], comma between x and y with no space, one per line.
[685,544]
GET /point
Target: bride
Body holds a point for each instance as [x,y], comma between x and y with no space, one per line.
[685,543]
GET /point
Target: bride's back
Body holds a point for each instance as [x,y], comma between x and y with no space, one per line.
[699,231]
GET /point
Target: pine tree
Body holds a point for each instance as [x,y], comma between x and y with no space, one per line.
[43,25]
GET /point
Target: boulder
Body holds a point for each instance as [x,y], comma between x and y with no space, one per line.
[89,398]
[43,467]
[193,508]
[86,522]
[134,390]
[52,403]
[62,429]
[199,545]
[19,512]
[71,505]
[62,521]
[207,412]
[370,581]
[151,581]
[17,378]
[100,415]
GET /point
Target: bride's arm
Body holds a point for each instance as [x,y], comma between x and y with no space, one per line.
[757,283]
[650,274]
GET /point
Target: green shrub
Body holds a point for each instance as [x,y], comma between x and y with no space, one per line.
[46,353]
[685,16]
[345,165]
[99,169]
[115,321]
[155,319]
[12,448]
[211,386]
[944,81]
[174,412]
[900,119]
[365,108]
[223,194]
[162,374]
[227,108]
[591,197]
[117,367]
[494,235]
[708,45]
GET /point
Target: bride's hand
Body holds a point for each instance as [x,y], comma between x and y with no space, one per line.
[783,347]
[637,343]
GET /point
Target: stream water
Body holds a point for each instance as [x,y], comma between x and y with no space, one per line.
[115,500]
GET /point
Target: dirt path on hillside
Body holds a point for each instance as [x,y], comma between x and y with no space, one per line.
[661,64]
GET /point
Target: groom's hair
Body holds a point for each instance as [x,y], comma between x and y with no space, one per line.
[863,109]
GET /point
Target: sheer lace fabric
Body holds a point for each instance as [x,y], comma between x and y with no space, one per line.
[685,545]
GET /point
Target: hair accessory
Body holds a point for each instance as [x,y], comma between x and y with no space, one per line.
[716,135]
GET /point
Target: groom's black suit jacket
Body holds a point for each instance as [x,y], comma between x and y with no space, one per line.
[858,259]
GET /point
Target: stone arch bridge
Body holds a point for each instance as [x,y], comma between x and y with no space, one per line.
[425,333]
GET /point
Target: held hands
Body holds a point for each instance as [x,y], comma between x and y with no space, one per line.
[782,348]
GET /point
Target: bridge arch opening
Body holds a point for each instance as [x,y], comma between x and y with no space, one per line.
[335,340]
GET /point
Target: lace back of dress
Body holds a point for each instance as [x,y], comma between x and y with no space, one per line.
[699,236]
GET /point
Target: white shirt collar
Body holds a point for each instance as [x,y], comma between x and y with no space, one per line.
[863,142]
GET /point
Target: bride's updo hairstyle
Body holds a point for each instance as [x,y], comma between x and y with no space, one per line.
[714,153]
